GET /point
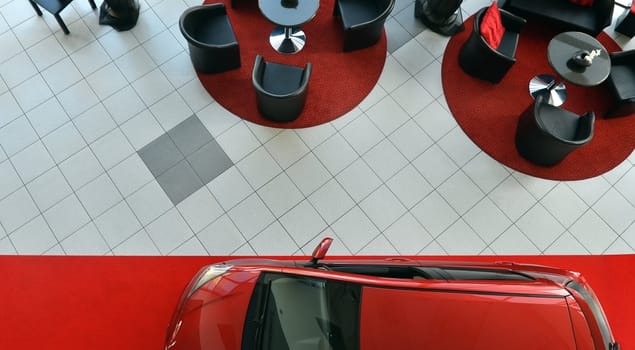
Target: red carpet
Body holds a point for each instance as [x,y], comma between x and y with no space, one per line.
[488,113]
[65,302]
[339,80]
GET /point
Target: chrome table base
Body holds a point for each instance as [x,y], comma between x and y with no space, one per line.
[287,39]
[545,84]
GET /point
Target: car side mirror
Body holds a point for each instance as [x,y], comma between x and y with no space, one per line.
[320,251]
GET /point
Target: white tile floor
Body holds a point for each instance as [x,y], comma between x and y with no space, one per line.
[74,109]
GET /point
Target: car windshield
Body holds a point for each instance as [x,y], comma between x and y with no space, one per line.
[302,313]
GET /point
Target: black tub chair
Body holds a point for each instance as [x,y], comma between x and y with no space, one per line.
[621,81]
[547,134]
[281,89]
[210,37]
[363,21]
[482,61]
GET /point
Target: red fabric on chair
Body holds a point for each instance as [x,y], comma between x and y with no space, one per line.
[633,8]
[492,28]
[587,3]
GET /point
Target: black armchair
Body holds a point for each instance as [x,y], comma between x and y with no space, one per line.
[210,37]
[482,61]
[621,81]
[547,134]
[281,89]
[363,21]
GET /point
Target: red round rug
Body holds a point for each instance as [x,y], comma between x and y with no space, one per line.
[339,80]
[488,113]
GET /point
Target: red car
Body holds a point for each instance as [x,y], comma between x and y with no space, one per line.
[386,304]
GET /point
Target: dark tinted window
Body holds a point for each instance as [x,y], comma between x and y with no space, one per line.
[429,272]
[474,274]
[379,270]
[291,312]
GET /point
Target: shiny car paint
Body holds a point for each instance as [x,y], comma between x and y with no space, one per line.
[477,321]
[212,317]
[407,313]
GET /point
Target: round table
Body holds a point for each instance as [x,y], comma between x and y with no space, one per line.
[560,52]
[565,45]
[287,37]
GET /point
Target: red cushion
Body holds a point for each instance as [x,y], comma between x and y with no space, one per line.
[587,3]
[633,7]
[492,28]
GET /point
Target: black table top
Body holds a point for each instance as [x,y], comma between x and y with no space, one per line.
[289,13]
[565,45]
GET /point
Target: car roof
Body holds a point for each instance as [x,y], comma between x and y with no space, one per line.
[393,318]
[531,287]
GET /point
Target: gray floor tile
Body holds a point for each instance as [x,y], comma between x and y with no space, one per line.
[406,18]
[190,135]
[160,155]
[396,34]
[209,161]
[402,4]
[179,182]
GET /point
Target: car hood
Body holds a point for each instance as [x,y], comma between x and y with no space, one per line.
[213,317]
[408,319]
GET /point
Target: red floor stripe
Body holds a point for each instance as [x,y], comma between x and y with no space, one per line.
[51,302]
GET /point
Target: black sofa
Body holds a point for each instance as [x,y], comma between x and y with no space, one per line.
[563,13]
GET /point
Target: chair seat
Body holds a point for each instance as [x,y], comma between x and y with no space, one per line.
[214,31]
[281,90]
[621,82]
[362,20]
[478,59]
[508,43]
[559,10]
[564,13]
[55,7]
[210,37]
[559,122]
[281,79]
[357,11]
[546,134]
[623,79]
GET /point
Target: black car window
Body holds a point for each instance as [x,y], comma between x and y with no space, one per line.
[298,312]
[479,274]
[429,272]
[406,272]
